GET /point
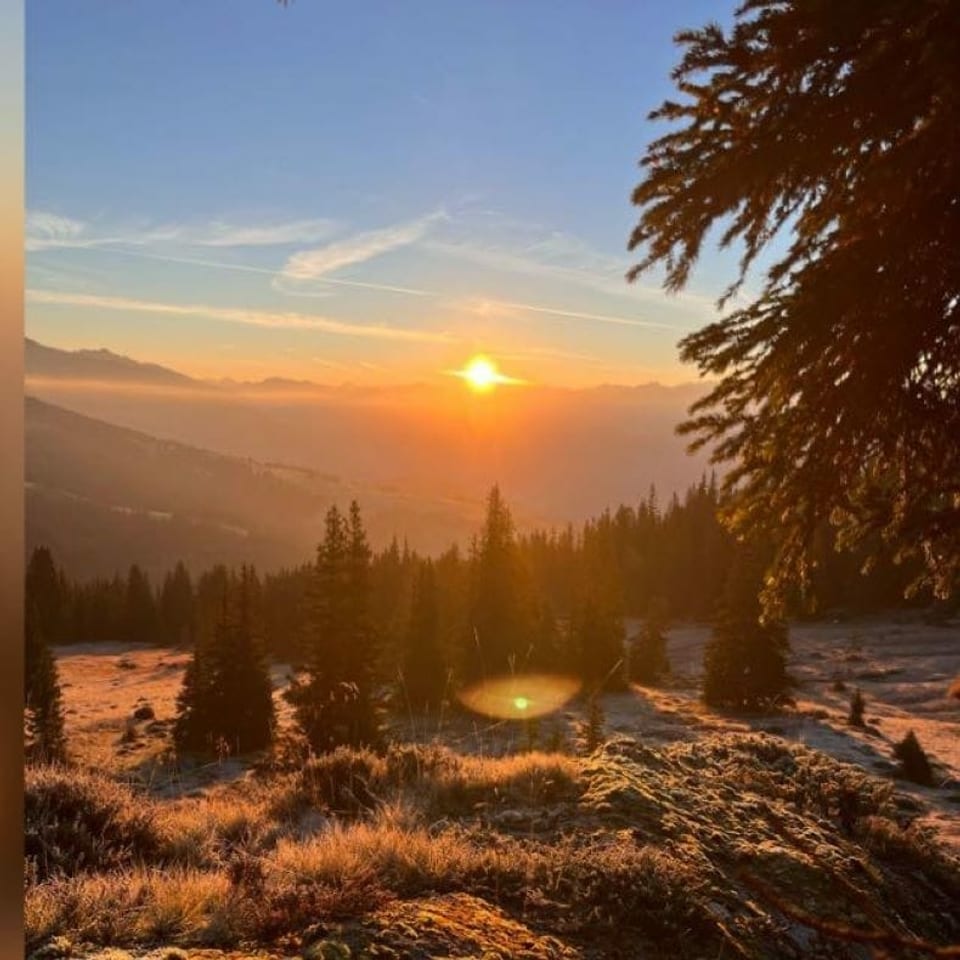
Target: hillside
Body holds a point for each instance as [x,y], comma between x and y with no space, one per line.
[561,455]
[102,496]
[103,366]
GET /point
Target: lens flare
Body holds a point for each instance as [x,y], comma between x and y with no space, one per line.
[520,696]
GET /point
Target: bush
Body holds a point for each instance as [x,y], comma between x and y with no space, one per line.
[78,822]
[914,764]
[345,781]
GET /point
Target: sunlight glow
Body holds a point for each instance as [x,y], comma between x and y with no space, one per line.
[481,375]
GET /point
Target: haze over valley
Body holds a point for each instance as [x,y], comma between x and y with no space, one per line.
[234,471]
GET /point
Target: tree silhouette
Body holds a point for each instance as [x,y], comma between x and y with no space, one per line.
[838,387]
[333,702]
[424,672]
[648,652]
[500,628]
[227,695]
[176,607]
[42,701]
[140,616]
[745,658]
[47,594]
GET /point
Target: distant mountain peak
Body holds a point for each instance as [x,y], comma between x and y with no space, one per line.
[98,364]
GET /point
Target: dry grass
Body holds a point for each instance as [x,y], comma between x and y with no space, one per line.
[641,843]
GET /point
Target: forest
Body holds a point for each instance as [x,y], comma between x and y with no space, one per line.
[590,603]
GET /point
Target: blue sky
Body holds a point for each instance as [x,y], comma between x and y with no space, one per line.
[362,192]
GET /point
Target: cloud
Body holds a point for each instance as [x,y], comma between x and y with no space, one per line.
[316,264]
[513,246]
[256,318]
[221,234]
[504,308]
[49,231]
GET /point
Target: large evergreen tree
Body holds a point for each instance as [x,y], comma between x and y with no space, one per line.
[837,389]
[500,631]
[334,701]
[45,740]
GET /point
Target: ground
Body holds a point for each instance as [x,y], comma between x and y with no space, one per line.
[690,833]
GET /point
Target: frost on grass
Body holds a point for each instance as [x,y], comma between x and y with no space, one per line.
[686,850]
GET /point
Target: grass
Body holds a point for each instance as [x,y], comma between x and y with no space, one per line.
[630,844]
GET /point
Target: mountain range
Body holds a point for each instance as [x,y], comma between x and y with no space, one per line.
[130,461]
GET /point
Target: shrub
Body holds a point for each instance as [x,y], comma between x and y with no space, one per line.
[81,822]
[914,764]
[345,781]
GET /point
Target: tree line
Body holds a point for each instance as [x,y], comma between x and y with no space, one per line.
[361,627]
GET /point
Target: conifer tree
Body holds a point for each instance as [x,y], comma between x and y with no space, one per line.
[176,606]
[140,619]
[824,134]
[42,700]
[499,630]
[334,701]
[745,659]
[227,694]
[423,669]
[47,594]
[598,639]
[648,652]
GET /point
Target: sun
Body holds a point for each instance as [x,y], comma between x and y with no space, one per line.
[481,375]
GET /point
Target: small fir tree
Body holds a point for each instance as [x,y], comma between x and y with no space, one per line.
[857,706]
[914,763]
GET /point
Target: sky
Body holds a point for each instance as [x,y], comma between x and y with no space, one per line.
[364,193]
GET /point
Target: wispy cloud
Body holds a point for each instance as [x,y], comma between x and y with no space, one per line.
[511,246]
[318,263]
[256,318]
[508,308]
[264,271]
[221,234]
[50,231]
